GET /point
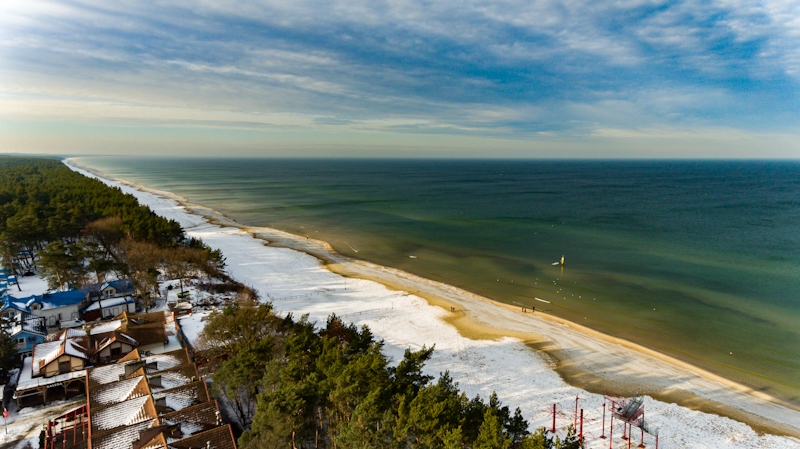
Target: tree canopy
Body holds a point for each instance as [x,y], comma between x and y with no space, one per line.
[298,386]
[43,200]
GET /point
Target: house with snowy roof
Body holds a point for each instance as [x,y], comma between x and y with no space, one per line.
[61,356]
[108,307]
[53,307]
[112,340]
[109,299]
[27,331]
[55,369]
[90,303]
[128,405]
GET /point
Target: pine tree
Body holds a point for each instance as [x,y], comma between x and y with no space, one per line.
[537,440]
[8,347]
[490,435]
[453,439]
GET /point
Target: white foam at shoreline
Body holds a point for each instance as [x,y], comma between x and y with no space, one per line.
[521,377]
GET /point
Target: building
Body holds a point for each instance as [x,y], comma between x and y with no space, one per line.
[108,308]
[55,367]
[155,402]
[112,340]
[90,303]
[109,300]
[63,355]
[27,332]
[54,307]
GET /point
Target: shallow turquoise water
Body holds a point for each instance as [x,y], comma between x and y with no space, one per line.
[695,259]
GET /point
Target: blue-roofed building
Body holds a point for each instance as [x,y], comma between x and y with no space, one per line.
[28,332]
[111,298]
[112,289]
[53,307]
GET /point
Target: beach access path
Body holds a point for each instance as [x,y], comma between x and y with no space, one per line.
[487,346]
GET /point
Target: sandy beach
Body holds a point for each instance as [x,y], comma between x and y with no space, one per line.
[532,360]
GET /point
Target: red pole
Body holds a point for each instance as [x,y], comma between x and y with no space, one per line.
[641,444]
[581,434]
[656,441]
[611,434]
[624,431]
[575,417]
[554,418]
[603,432]
[629,439]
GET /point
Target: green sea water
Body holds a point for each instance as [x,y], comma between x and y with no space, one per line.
[699,260]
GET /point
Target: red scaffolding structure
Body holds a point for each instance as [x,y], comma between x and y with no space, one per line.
[70,430]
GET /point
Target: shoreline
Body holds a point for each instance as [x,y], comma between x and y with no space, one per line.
[581,356]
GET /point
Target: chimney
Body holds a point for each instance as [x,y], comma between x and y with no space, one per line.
[155,381]
[131,367]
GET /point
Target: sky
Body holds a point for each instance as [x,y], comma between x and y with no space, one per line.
[404,78]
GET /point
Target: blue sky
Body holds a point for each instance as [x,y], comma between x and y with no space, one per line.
[403,78]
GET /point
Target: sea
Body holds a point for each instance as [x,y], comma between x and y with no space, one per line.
[696,259]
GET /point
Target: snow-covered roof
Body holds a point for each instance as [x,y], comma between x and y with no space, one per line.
[184,396]
[168,360]
[118,391]
[117,336]
[106,326]
[44,353]
[122,437]
[110,302]
[55,300]
[67,334]
[170,379]
[193,419]
[26,382]
[9,302]
[125,413]
[120,285]
[110,373]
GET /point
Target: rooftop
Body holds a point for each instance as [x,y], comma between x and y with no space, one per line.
[44,353]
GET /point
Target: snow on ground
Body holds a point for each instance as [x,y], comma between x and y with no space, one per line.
[299,283]
[30,285]
[25,425]
[193,324]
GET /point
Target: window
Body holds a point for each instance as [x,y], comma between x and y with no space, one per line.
[74,315]
[52,321]
[63,367]
[116,351]
[20,343]
[31,339]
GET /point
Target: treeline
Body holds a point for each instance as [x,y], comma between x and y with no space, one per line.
[78,230]
[294,386]
[42,200]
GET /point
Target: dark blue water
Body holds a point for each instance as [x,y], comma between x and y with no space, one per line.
[695,259]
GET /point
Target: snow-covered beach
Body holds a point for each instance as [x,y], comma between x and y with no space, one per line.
[484,345]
